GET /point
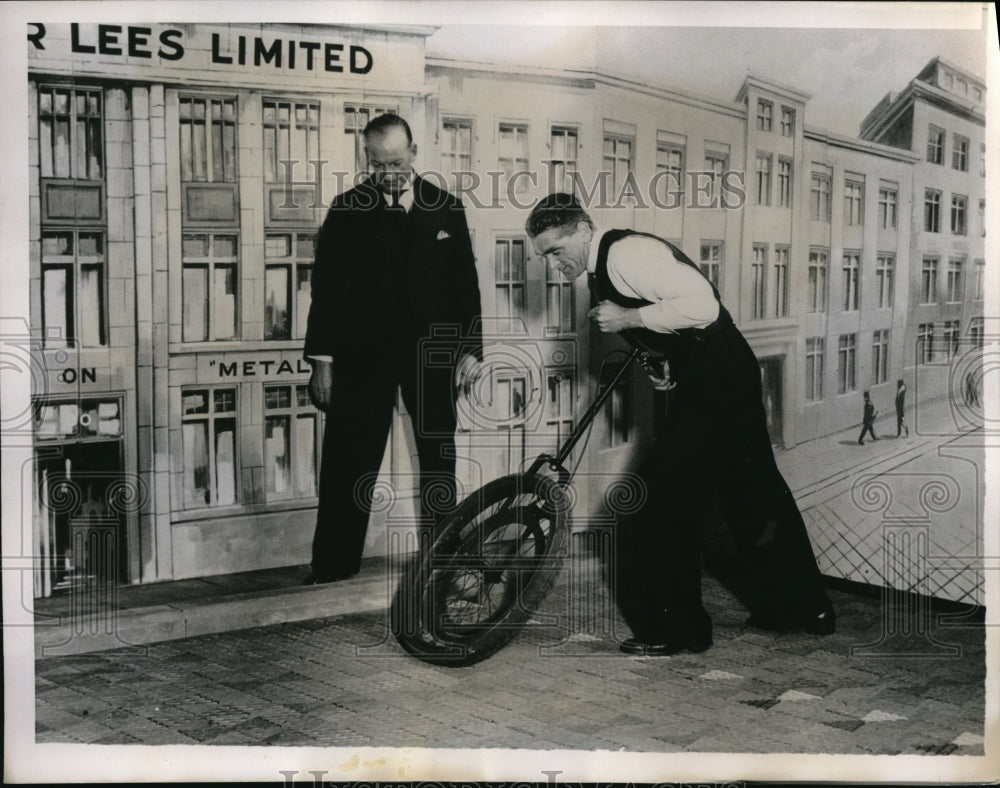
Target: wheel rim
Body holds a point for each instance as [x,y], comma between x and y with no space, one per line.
[484,571]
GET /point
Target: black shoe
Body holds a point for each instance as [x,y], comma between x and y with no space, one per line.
[315,578]
[693,643]
[824,623]
[861,443]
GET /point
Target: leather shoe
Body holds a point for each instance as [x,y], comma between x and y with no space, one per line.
[315,578]
[693,643]
[822,623]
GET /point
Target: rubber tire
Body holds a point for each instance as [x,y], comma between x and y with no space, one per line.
[416,605]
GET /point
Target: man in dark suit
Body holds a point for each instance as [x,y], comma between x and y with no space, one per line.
[394,269]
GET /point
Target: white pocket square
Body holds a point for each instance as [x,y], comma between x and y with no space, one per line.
[442,234]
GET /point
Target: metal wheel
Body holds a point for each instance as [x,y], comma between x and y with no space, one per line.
[489,565]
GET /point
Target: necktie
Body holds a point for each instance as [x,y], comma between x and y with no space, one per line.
[395,200]
[592,286]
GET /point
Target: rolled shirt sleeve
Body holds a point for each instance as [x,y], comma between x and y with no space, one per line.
[680,296]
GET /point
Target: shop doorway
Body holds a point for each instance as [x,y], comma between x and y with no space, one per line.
[79,524]
[770,383]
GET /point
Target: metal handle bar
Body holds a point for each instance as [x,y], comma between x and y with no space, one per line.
[556,462]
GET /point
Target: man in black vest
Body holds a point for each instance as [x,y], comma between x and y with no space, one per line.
[395,305]
[714,440]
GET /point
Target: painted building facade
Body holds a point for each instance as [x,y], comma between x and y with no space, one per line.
[171,252]
[940,118]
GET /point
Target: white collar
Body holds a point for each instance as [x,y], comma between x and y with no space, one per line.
[406,199]
[405,194]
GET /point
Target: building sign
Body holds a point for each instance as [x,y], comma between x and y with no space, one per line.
[171,43]
[64,375]
[233,367]
[237,55]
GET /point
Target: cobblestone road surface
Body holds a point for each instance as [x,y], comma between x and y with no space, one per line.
[562,683]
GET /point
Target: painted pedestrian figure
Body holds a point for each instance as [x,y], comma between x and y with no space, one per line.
[971,390]
[868,421]
[901,409]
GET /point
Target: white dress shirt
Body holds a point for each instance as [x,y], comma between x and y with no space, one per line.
[645,268]
[405,198]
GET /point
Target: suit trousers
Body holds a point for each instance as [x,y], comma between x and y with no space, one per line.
[714,442]
[357,427]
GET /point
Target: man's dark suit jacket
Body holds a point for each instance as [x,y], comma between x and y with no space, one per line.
[383,278]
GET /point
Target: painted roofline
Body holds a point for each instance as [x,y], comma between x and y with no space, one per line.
[980,82]
[862,146]
[425,31]
[771,86]
[917,89]
[584,78]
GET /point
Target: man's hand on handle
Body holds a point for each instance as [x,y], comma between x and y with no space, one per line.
[321,383]
[611,318]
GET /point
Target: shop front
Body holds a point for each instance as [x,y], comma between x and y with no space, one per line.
[178,175]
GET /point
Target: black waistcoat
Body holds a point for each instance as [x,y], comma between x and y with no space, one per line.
[683,340]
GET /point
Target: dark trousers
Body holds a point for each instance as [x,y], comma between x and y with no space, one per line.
[867,428]
[357,427]
[714,442]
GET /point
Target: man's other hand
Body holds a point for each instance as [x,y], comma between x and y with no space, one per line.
[321,384]
[611,318]
[663,383]
[467,372]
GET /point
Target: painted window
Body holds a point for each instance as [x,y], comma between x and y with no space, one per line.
[71,133]
[288,265]
[210,286]
[816,291]
[513,145]
[758,279]
[292,435]
[73,288]
[928,280]
[851,273]
[563,151]
[814,369]
[710,262]
[853,203]
[510,280]
[208,139]
[209,444]
[880,356]
[885,276]
[291,134]
[780,281]
[847,363]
